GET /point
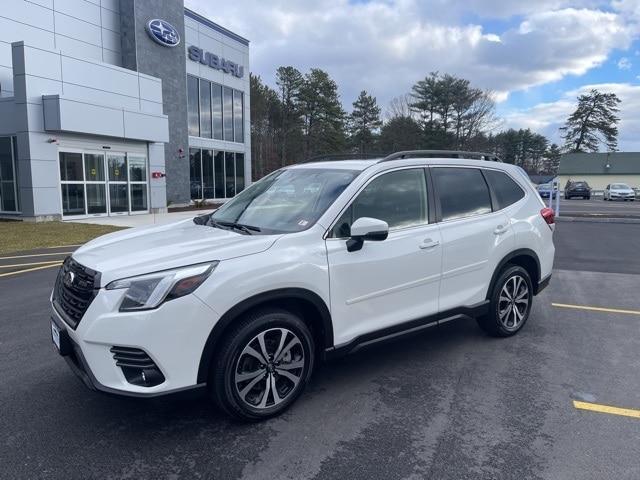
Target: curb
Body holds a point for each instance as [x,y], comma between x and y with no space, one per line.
[594,219]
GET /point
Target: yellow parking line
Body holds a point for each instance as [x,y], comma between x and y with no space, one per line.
[29,270]
[37,255]
[597,309]
[595,407]
[63,246]
[29,264]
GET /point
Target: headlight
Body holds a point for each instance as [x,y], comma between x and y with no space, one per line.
[145,292]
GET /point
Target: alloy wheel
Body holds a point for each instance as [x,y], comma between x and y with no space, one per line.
[513,303]
[269,368]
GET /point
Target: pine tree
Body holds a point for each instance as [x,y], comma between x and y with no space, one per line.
[290,82]
[594,122]
[364,122]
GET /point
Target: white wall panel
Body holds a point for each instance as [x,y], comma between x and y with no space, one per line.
[90,95]
[113,5]
[111,40]
[110,20]
[78,29]
[149,127]
[30,14]
[101,77]
[42,63]
[111,57]
[78,49]
[11,31]
[81,9]
[150,88]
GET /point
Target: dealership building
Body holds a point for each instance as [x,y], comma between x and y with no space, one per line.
[119,107]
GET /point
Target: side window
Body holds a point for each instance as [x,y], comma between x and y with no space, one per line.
[399,198]
[463,192]
[507,191]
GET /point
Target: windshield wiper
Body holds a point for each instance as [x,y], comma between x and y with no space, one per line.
[248,229]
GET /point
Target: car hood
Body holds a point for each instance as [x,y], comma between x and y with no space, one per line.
[143,250]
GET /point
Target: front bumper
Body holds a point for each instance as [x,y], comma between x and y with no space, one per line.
[173,336]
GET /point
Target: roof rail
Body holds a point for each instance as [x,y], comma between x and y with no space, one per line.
[441,153]
[344,156]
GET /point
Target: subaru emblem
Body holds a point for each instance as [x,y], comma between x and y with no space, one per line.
[163,32]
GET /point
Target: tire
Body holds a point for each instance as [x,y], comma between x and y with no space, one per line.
[501,314]
[242,354]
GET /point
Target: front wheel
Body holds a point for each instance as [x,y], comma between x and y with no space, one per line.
[510,303]
[263,365]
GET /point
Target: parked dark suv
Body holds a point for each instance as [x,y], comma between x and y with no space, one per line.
[577,189]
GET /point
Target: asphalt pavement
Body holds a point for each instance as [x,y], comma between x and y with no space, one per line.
[451,403]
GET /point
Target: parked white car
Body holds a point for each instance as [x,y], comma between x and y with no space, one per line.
[247,300]
[619,191]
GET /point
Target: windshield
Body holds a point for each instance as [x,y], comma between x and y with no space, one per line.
[621,186]
[288,200]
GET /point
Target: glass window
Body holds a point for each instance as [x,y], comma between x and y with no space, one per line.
[205,109]
[72,198]
[94,167]
[138,197]
[230,174]
[118,198]
[193,112]
[216,108]
[207,173]
[117,165]
[8,200]
[96,198]
[219,174]
[228,113]
[284,202]
[507,191]
[71,167]
[195,172]
[238,115]
[239,172]
[462,191]
[137,169]
[399,198]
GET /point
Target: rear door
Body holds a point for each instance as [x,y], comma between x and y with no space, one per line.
[475,238]
[393,281]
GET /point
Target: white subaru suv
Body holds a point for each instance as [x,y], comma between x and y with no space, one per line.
[312,261]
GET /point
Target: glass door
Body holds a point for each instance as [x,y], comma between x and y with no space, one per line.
[95,180]
[118,184]
[72,184]
[138,183]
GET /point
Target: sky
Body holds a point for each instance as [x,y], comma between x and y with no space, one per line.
[535,55]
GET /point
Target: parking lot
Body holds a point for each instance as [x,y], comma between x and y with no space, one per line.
[558,401]
[596,207]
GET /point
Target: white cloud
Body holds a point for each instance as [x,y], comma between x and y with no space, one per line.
[547,118]
[385,46]
[624,64]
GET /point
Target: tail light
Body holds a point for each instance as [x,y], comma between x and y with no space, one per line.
[549,216]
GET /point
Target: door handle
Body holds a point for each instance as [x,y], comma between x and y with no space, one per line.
[429,244]
[500,229]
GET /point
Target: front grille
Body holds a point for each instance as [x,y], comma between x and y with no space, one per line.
[75,289]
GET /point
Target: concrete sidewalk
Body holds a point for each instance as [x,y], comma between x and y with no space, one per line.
[144,220]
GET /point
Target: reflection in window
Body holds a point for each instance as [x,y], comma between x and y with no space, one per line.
[193,112]
[205,109]
[138,197]
[239,172]
[462,191]
[230,172]
[137,169]
[117,165]
[399,198]
[94,167]
[207,173]
[238,115]
[71,167]
[195,172]
[216,107]
[228,113]
[96,198]
[72,198]
[219,174]
[8,177]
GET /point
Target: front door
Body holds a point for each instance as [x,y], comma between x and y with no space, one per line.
[389,282]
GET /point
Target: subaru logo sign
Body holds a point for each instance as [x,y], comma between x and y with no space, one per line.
[68,279]
[163,32]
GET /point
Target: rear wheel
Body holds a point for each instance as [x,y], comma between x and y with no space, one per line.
[510,303]
[263,366]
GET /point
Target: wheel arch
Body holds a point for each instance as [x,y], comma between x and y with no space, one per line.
[523,257]
[309,305]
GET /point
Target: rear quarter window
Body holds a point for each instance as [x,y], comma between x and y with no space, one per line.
[506,190]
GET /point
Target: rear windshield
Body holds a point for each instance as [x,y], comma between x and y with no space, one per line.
[580,184]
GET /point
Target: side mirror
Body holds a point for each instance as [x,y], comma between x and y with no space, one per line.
[366,228]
